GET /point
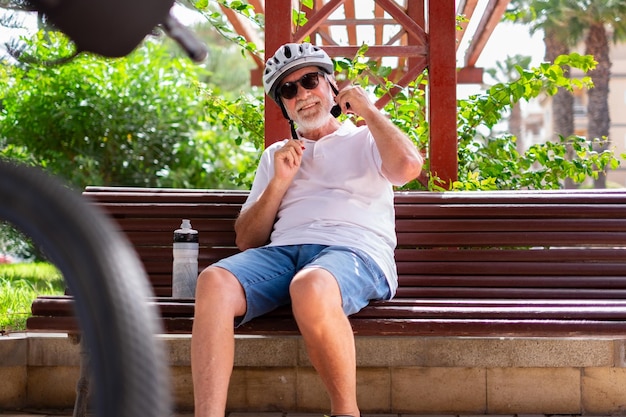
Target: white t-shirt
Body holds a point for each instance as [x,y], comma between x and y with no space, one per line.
[339,196]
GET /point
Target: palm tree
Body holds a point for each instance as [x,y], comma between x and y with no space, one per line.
[546,15]
[597,21]
[557,44]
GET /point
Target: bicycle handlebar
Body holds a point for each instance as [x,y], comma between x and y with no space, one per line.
[185,38]
[113,28]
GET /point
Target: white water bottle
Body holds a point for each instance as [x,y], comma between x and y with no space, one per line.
[185,268]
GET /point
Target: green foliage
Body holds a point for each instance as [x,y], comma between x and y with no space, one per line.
[144,120]
[217,19]
[507,70]
[20,284]
[487,162]
[487,109]
[14,243]
[234,130]
[97,121]
[495,164]
[299,17]
[84,120]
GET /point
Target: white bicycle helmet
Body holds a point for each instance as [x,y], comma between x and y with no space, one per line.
[290,57]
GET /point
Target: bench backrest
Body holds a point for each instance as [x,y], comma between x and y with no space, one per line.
[522,244]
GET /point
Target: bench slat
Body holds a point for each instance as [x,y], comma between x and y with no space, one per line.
[415,318]
[521,293]
[523,263]
[507,225]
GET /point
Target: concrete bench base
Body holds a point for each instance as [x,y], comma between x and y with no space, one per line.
[395,375]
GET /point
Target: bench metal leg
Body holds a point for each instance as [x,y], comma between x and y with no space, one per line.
[82,386]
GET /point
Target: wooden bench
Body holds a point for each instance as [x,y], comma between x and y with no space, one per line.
[523,263]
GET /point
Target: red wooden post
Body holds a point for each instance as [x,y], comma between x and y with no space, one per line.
[416,11]
[442,91]
[278,31]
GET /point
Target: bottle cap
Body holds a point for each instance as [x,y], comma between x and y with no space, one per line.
[186,233]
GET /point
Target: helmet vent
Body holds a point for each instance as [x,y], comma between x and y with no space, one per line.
[291,57]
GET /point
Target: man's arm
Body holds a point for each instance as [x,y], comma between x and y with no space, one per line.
[254,225]
[401,160]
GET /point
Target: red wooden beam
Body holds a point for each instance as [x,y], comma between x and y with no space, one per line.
[278,31]
[378,51]
[259,6]
[323,30]
[442,91]
[469,75]
[379,15]
[403,18]
[314,21]
[412,73]
[465,8]
[244,30]
[348,8]
[491,17]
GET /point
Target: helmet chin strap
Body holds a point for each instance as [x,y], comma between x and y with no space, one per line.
[292,124]
[294,134]
[336,110]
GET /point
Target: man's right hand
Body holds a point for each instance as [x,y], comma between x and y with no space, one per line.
[287,160]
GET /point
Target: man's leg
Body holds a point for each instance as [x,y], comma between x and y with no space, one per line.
[328,336]
[219,299]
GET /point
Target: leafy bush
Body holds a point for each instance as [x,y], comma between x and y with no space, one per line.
[235,128]
[146,120]
[15,244]
[487,161]
[129,121]
[142,120]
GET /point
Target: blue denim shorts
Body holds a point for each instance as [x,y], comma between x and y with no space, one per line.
[266,272]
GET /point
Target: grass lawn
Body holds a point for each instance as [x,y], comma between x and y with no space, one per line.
[20,284]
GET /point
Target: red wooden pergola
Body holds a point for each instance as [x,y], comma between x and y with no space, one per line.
[426,37]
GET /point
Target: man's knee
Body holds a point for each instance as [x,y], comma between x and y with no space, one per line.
[314,284]
[217,286]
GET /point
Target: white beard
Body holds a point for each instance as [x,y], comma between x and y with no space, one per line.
[316,121]
[313,123]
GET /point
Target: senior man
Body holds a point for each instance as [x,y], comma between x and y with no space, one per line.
[316,232]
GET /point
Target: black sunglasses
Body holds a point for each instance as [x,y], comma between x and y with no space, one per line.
[309,81]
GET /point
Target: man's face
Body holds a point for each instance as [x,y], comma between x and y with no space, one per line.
[310,109]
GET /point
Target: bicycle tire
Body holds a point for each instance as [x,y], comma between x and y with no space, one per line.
[108,282]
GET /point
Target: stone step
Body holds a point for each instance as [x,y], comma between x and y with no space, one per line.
[396,375]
